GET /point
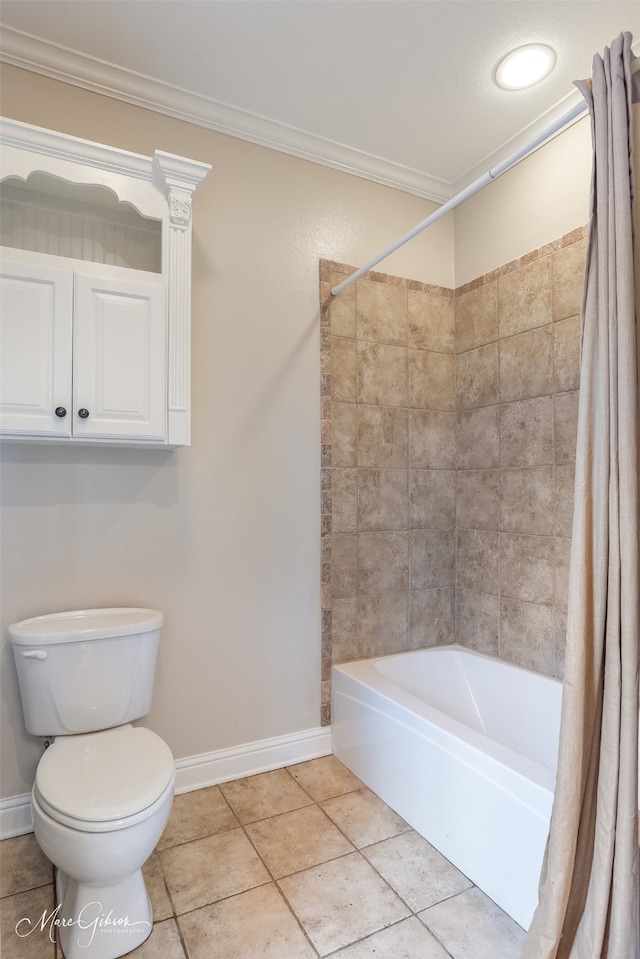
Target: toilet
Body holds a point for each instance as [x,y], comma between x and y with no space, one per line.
[104,788]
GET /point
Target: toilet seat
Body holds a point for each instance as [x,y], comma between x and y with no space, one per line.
[98,782]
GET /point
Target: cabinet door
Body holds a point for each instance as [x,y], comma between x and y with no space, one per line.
[119,371]
[35,349]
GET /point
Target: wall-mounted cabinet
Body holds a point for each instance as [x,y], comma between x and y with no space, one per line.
[95,286]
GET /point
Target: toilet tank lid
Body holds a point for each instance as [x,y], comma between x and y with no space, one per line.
[83,624]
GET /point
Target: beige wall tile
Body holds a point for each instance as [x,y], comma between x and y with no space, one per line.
[526,432]
[344,500]
[431,558]
[562,560]
[382,499]
[478,499]
[565,478]
[526,364]
[527,500]
[477,377]
[381,312]
[431,321]
[343,308]
[383,437]
[477,560]
[560,631]
[568,266]
[525,298]
[527,634]
[344,633]
[431,380]
[477,439]
[527,567]
[382,374]
[432,499]
[343,369]
[566,354]
[383,624]
[343,434]
[432,439]
[566,426]
[477,317]
[478,621]
[431,617]
[344,556]
[383,561]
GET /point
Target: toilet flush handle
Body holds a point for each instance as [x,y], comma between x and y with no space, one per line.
[35,654]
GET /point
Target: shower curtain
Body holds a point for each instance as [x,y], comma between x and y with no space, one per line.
[588,904]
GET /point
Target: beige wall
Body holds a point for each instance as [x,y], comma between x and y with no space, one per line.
[224,536]
[535,202]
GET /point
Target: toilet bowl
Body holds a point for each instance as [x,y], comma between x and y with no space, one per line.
[103,788]
[100,803]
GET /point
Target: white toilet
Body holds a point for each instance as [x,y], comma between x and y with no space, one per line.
[103,788]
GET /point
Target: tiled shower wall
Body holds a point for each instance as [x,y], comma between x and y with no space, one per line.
[517,379]
[448,440]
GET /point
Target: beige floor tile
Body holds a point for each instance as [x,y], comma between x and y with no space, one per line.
[23,865]
[364,818]
[416,870]
[296,840]
[253,925]
[264,795]
[205,870]
[325,778]
[406,940]
[195,815]
[341,901]
[154,881]
[26,910]
[471,926]
[163,943]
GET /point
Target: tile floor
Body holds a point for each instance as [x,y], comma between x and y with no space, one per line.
[296,863]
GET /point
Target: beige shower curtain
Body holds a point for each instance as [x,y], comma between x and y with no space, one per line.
[588,906]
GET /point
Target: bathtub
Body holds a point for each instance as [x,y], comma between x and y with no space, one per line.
[464,747]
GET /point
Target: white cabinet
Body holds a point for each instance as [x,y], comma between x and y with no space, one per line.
[95,291]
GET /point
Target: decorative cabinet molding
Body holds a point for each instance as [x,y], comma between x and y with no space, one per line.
[96,291]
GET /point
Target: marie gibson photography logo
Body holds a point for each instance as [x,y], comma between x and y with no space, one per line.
[90,920]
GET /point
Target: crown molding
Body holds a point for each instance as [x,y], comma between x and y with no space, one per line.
[56,62]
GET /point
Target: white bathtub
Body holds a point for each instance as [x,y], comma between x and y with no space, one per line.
[464,747]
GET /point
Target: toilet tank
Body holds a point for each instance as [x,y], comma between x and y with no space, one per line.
[85,670]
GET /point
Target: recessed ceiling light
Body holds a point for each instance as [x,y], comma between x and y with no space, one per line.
[525,66]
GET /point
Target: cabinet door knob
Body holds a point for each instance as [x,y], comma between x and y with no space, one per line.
[60,411]
[83,414]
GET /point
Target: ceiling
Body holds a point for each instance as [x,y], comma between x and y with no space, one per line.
[399,91]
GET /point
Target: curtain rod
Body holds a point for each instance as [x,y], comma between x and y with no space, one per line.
[468,191]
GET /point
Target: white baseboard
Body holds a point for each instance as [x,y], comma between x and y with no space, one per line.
[207,769]
[223,765]
[15,816]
